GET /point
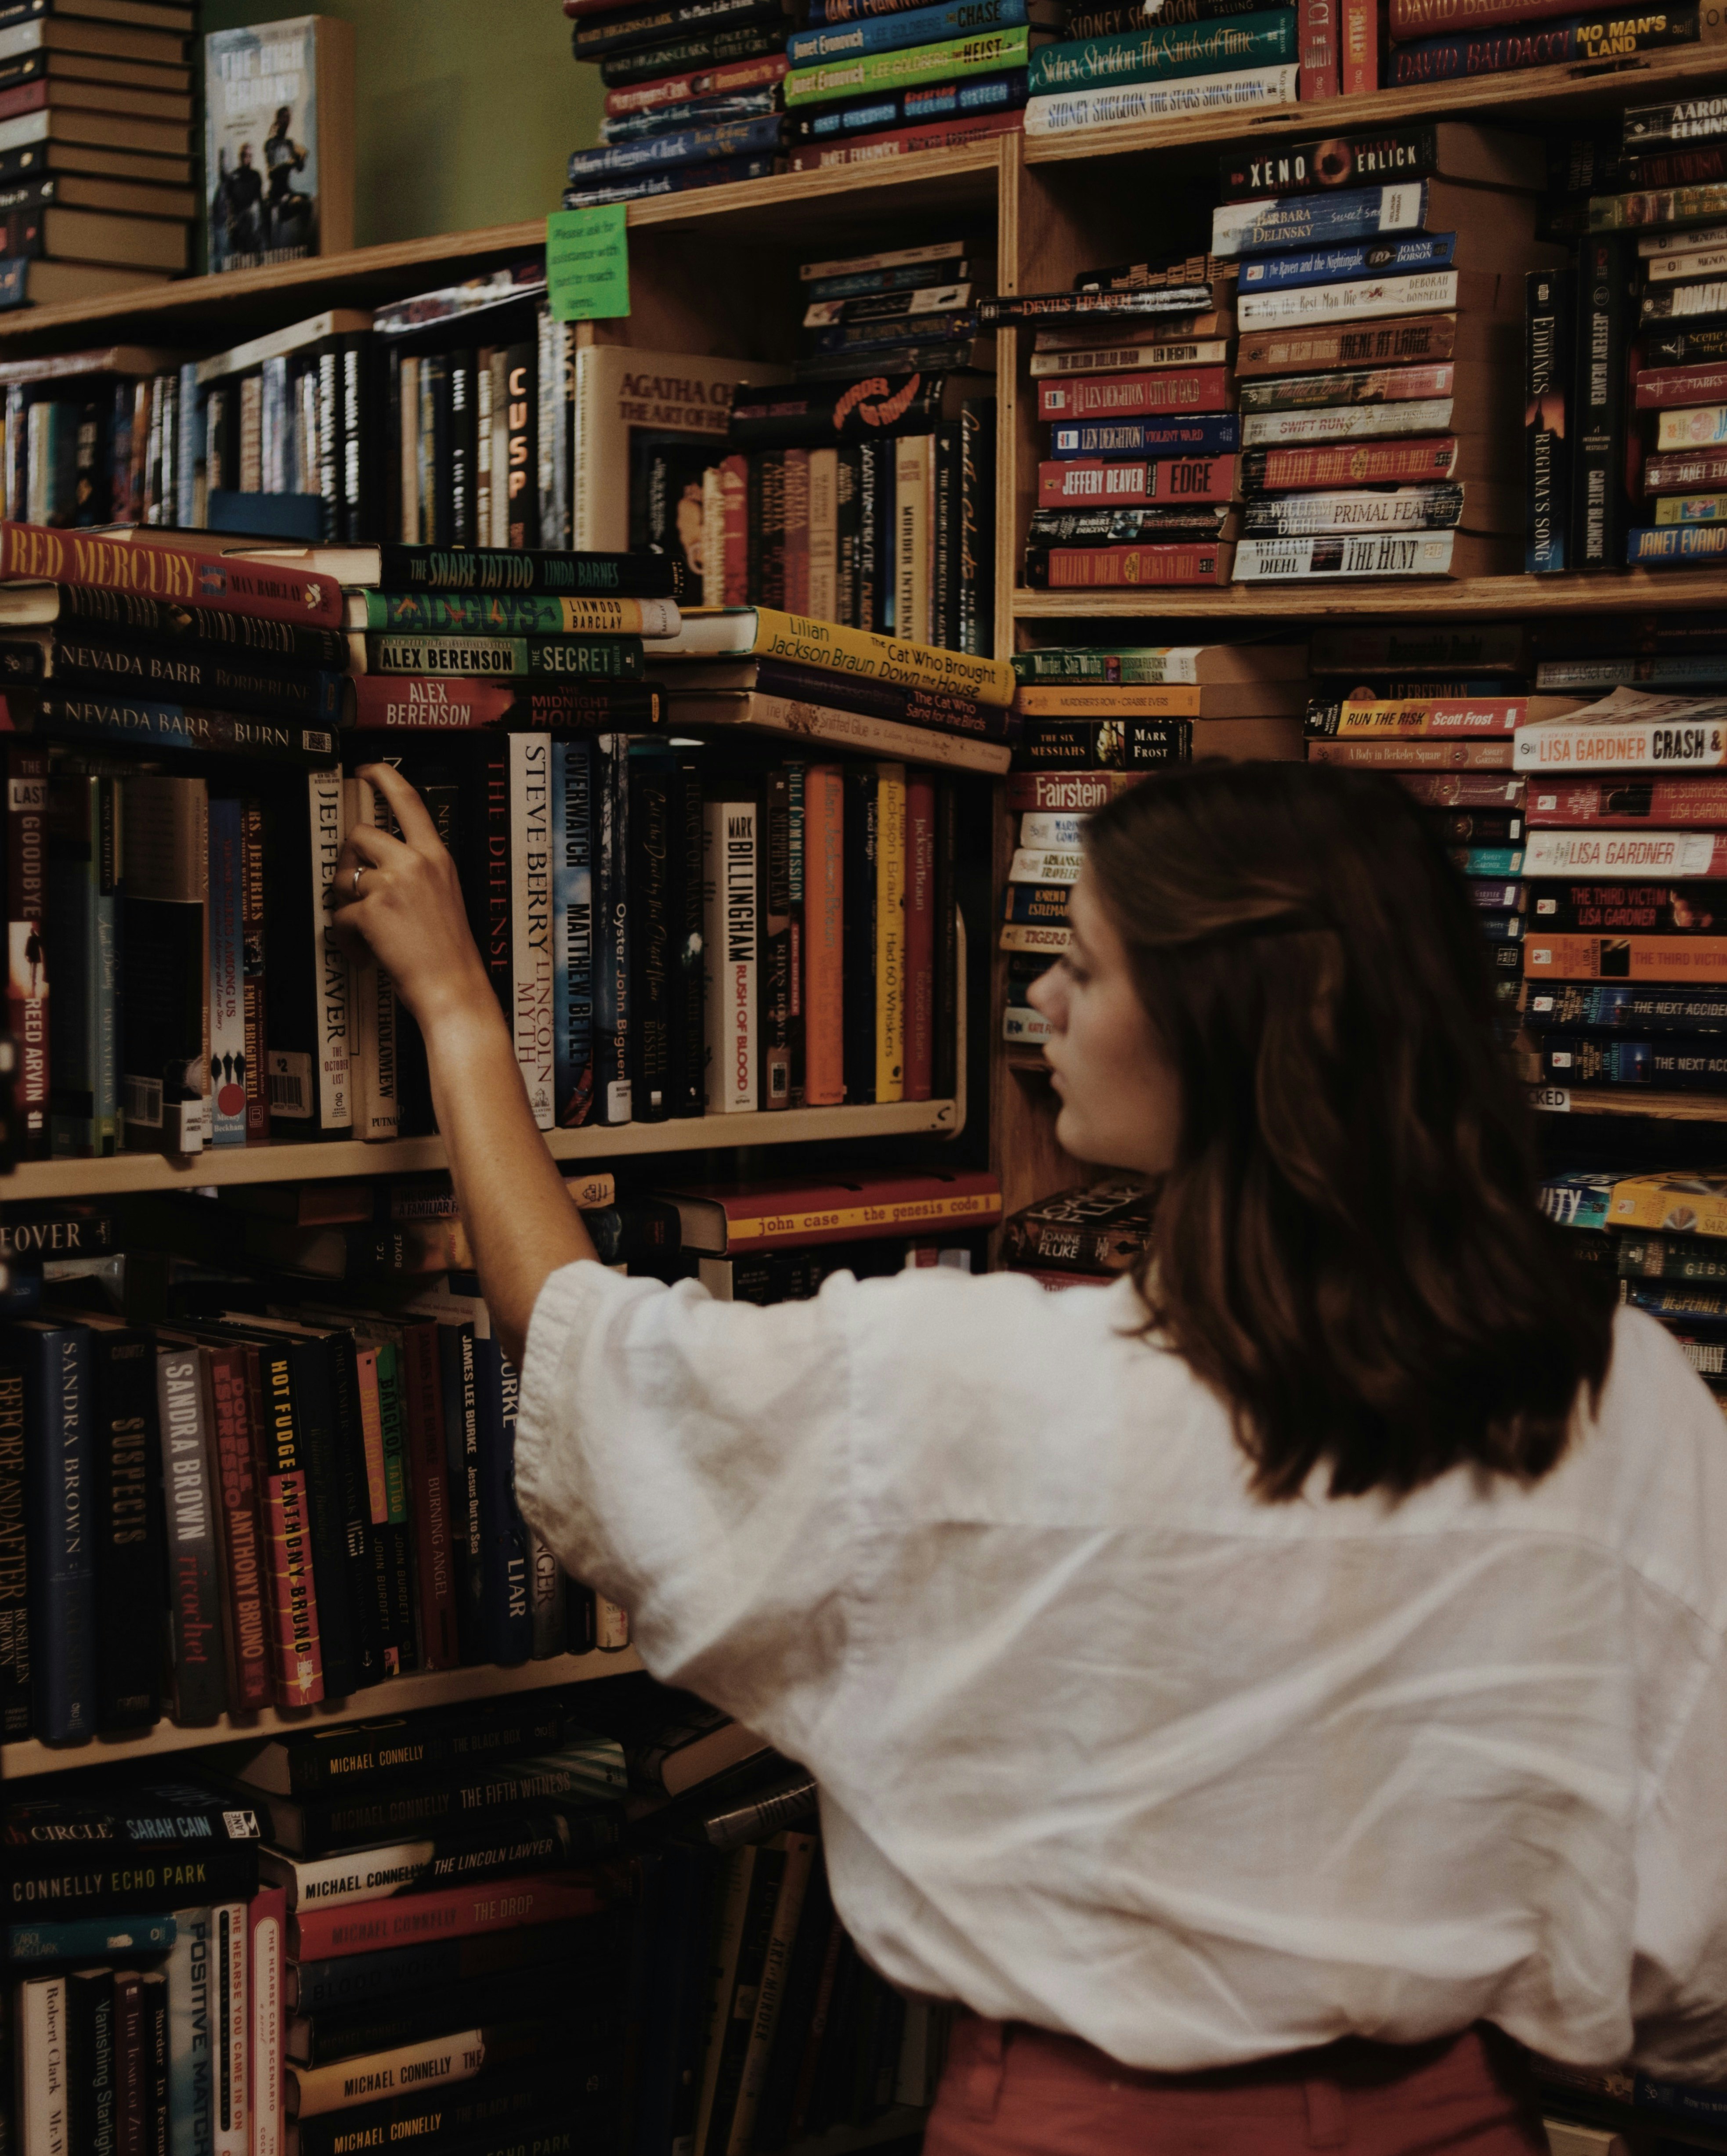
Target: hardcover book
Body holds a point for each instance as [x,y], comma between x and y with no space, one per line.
[279,142]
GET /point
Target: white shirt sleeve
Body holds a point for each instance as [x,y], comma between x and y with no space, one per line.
[691,1460]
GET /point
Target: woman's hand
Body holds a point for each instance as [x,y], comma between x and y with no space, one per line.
[400,899]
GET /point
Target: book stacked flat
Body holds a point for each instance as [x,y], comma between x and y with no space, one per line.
[96,144]
[1435,41]
[1377,371]
[694,95]
[444,1931]
[137,1971]
[1090,1236]
[1115,67]
[906,310]
[1133,375]
[869,82]
[1437,710]
[1663,1236]
[777,1240]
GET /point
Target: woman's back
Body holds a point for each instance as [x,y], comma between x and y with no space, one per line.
[1109,1744]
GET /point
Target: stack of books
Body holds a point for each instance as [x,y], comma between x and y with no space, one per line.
[141,1980]
[1624,961]
[904,312]
[1086,1237]
[1437,710]
[869,83]
[1133,375]
[696,95]
[96,152]
[1377,364]
[445,1934]
[1662,1234]
[1114,67]
[1052,806]
[1436,41]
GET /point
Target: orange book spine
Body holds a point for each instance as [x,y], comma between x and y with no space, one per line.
[1662,958]
[824,923]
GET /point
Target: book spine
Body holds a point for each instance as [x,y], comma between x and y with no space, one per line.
[1064,111]
[651,779]
[1547,389]
[43,2083]
[16,1685]
[890,931]
[230,2049]
[1316,33]
[1603,280]
[572,931]
[774,899]
[520,447]
[531,919]
[297,1661]
[1621,36]
[1359,31]
[335,1548]
[178,575]
[1061,568]
[920,935]
[375,1012]
[225,1103]
[914,26]
[246,1642]
[824,914]
[200,1679]
[89,2049]
[128,2064]
[731,959]
[1250,41]
[913,519]
[28,984]
[332,1073]
[428,1493]
[613,1017]
[267,1924]
[509,1618]
[689,1042]
[861,887]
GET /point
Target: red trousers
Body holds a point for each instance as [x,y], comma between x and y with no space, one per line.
[1013,2091]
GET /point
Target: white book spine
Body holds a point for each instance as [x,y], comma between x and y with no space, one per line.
[334,1093]
[531,917]
[1130,358]
[44,2126]
[1046,865]
[1273,561]
[1118,106]
[1302,516]
[730,956]
[230,2111]
[264,2007]
[913,525]
[1051,827]
[1366,299]
[1346,423]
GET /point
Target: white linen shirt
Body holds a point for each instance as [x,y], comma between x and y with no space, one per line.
[1106,1743]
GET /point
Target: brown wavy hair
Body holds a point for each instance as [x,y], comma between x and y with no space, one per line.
[1348,1248]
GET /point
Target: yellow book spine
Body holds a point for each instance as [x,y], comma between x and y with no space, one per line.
[806,643]
[1090,700]
[890,932]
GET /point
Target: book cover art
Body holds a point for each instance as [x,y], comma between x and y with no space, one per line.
[268,167]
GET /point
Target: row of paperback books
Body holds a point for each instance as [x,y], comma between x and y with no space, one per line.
[298,1482]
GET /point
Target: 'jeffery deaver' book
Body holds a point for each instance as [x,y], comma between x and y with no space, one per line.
[279,142]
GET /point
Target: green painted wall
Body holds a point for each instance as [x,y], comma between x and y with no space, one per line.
[465,110]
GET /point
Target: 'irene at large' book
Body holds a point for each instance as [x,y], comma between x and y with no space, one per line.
[279,142]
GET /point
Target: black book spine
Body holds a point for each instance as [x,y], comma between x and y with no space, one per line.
[330,456]
[847,514]
[89,2060]
[687,1043]
[140,1883]
[651,774]
[613,1017]
[14,1564]
[1604,307]
[463,531]
[775,913]
[128,1537]
[1549,313]
[351,445]
[870,457]
[391,520]
[368,1580]
[795,774]
[521,449]
[975,602]
[858,1018]
[153,1989]
[443,456]
[773,576]
[886,506]
[944,546]
[906,404]
[461,1439]
[581,1631]
[944,1076]
[297,1368]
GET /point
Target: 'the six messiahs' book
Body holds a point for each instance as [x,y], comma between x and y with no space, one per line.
[279,142]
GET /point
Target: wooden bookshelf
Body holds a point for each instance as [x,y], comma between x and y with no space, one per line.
[399,1695]
[1626,1100]
[1630,591]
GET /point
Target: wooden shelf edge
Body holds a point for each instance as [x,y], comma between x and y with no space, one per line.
[790,190]
[1547,89]
[400,1696]
[1612,592]
[44,1179]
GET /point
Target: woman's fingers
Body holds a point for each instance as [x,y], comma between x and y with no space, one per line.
[417,826]
[367,848]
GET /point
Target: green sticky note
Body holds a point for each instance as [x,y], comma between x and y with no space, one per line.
[587,264]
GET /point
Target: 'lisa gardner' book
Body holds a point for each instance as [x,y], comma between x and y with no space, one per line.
[279,142]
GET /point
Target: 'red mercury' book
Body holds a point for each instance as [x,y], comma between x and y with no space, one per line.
[188,575]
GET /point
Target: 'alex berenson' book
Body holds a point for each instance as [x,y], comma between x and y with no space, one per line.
[279,142]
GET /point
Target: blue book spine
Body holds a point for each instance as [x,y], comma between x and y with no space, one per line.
[194,2009]
[88,1938]
[908,277]
[1219,434]
[611,912]
[1490,861]
[684,145]
[509,1614]
[1368,258]
[189,414]
[721,172]
[62,1530]
[918,26]
[1163,55]
[14,272]
[461,1443]
[700,112]
[1319,220]
[572,930]
[1707,2105]
[1501,928]
[911,108]
[889,336]
[1655,545]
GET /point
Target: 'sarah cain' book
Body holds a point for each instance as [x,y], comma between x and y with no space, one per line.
[279,142]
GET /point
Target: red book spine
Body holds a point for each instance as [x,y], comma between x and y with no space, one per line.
[920,936]
[27,982]
[27,97]
[183,575]
[1680,475]
[1065,480]
[1646,805]
[1169,389]
[1437,18]
[1080,791]
[1316,38]
[1360,46]
[249,1672]
[298,1656]
[1071,568]
[734,532]
[956,134]
[824,925]
[267,1924]
[796,530]
[253,976]
[448,1912]
[429,1483]
[1663,386]
[705,82]
[1352,464]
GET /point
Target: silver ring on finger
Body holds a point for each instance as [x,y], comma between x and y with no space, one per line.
[354,887]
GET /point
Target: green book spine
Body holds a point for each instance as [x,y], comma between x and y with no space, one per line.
[903,69]
[1157,55]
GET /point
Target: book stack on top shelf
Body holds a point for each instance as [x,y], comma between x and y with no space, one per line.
[1115,67]
[1086,1237]
[96,151]
[1437,41]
